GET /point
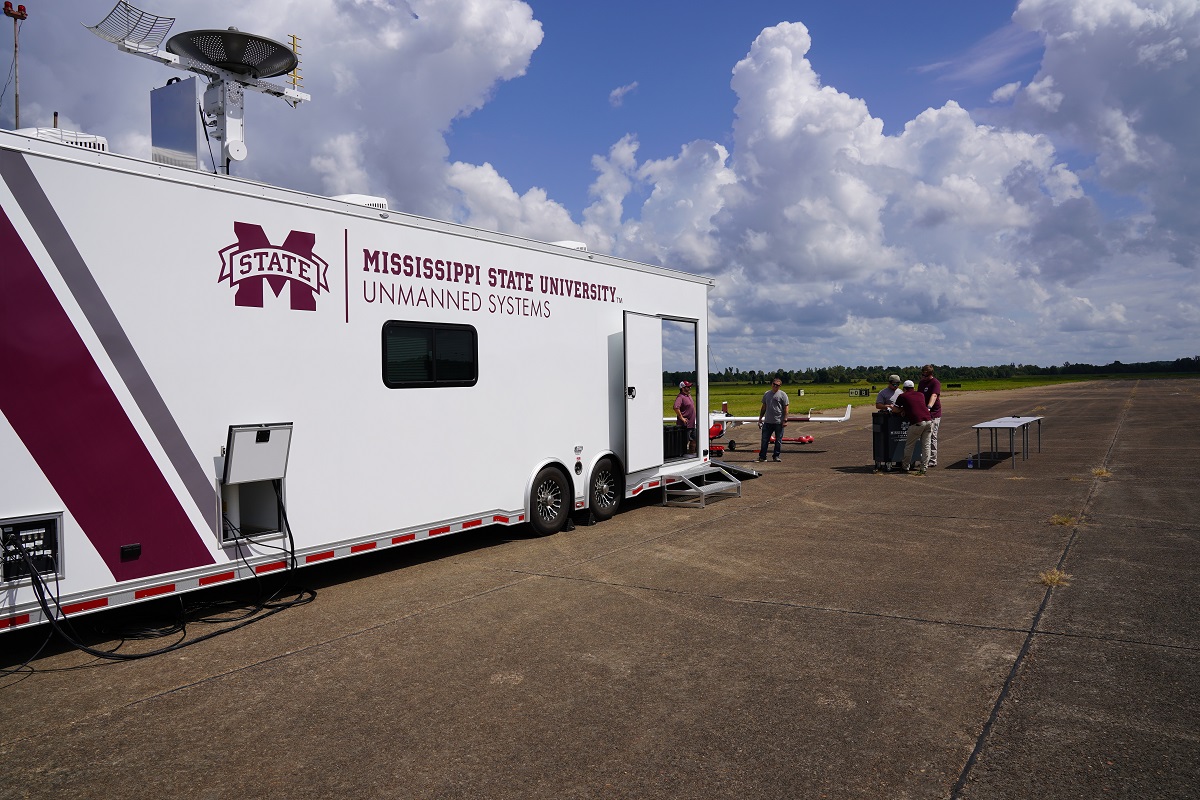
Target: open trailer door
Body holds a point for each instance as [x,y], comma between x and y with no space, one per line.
[643,392]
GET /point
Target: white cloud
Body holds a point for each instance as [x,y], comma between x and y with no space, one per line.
[617,96]
[1006,92]
[1037,236]
[340,165]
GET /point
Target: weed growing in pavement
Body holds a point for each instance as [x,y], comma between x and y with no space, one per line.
[1054,577]
[1102,472]
[1062,519]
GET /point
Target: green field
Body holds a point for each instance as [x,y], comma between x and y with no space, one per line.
[746,398]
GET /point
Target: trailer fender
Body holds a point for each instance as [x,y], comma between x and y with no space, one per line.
[549,498]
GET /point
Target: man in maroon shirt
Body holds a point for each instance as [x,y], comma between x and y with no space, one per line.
[931,387]
[920,425]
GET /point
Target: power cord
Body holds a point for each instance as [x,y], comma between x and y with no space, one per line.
[48,600]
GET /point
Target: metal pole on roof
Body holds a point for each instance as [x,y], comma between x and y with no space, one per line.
[18,14]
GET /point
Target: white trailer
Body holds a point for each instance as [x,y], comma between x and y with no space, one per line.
[189,362]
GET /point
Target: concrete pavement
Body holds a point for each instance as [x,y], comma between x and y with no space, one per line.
[835,632]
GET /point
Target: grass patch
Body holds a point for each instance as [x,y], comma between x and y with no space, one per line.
[1101,472]
[1054,577]
[1062,519]
[745,398]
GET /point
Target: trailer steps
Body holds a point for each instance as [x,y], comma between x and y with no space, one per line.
[695,488]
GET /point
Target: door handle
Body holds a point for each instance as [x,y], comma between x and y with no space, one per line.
[630,392]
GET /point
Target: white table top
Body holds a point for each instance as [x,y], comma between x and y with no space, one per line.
[1008,422]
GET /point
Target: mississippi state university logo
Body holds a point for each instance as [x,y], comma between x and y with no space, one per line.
[254,262]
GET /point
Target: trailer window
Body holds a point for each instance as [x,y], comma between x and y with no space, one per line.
[420,354]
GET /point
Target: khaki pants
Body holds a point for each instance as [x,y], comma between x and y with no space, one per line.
[918,432]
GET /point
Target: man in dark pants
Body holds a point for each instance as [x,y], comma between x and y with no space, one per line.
[773,418]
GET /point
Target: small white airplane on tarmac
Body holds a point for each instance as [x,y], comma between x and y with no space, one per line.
[722,422]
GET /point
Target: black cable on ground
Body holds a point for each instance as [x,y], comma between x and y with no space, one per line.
[259,609]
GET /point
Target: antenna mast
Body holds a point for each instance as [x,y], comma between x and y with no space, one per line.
[231,60]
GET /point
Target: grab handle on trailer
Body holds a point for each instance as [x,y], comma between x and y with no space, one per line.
[630,392]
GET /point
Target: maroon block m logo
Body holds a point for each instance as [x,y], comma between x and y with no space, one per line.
[254,262]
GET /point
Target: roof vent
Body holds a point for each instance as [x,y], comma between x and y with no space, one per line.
[364,200]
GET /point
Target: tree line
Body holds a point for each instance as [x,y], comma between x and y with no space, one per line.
[945,372]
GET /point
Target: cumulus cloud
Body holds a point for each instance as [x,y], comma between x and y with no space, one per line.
[1006,92]
[1037,233]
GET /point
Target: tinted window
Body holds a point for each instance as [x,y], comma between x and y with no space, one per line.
[421,354]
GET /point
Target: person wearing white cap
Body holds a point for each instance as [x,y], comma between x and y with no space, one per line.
[685,413]
[920,426]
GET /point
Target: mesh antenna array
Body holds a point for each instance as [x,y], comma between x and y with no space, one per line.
[231,60]
[136,29]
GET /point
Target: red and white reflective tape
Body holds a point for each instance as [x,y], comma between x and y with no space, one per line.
[229,572]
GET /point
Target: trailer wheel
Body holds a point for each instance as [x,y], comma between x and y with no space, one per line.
[732,445]
[605,492]
[548,503]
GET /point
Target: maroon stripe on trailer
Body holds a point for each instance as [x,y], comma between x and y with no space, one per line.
[318,556]
[408,537]
[261,568]
[472,524]
[11,622]
[73,425]
[498,518]
[48,227]
[359,548]
[439,531]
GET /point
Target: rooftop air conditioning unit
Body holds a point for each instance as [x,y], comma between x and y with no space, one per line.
[87,141]
[364,200]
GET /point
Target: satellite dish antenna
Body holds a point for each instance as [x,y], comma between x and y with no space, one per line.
[234,51]
[232,61]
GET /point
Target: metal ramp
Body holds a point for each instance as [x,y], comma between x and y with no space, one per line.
[694,488]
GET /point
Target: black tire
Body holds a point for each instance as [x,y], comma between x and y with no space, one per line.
[732,445]
[606,490]
[549,502]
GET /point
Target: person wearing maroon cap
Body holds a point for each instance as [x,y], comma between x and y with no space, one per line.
[685,413]
[920,425]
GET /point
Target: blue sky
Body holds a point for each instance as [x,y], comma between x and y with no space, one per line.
[868,183]
[542,129]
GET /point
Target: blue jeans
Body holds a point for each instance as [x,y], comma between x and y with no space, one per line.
[767,429]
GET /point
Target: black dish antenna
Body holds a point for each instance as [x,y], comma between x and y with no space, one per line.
[234,51]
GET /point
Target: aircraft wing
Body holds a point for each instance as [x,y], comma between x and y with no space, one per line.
[718,416]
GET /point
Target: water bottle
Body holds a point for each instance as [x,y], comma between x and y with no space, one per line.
[970,461]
